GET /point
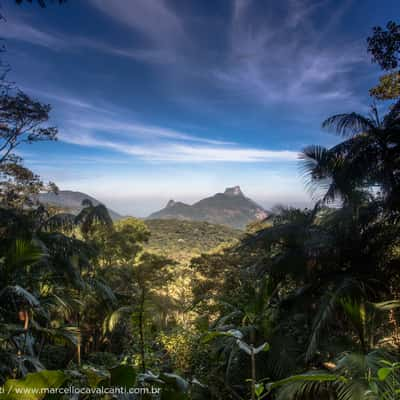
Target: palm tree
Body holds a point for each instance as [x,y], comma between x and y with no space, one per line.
[368,158]
[91,216]
[327,255]
[30,298]
[364,370]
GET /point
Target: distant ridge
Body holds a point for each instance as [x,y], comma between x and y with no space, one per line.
[230,208]
[72,201]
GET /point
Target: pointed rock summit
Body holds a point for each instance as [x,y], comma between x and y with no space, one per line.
[233,191]
[231,208]
[171,203]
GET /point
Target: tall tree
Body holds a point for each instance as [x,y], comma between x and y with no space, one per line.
[368,158]
[384,46]
[21,121]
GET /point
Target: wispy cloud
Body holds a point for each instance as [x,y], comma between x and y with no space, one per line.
[175,152]
[267,60]
[284,61]
[65,98]
[26,31]
[152,18]
[138,130]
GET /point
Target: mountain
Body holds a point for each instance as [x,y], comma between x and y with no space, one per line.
[181,240]
[72,201]
[230,208]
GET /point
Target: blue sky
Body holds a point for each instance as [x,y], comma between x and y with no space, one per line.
[158,99]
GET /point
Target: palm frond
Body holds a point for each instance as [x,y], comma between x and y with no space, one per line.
[316,166]
[387,305]
[24,253]
[102,289]
[63,221]
[362,370]
[348,124]
[326,311]
[22,293]
[116,317]
[66,334]
[312,385]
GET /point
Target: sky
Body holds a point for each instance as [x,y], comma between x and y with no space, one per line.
[157,99]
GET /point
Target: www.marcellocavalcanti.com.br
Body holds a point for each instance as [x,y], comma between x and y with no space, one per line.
[76,390]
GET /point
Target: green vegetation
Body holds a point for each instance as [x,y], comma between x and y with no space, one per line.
[303,306]
[182,240]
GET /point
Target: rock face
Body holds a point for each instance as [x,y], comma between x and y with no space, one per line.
[72,201]
[233,191]
[230,208]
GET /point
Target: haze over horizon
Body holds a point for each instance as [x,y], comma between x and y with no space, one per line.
[157,99]
[142,207]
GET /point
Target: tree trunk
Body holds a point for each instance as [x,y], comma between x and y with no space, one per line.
[253,375]
[78,323]
[141,331]
[253,363]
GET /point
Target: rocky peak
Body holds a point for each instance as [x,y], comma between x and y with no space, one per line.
[171,203]
[233,191]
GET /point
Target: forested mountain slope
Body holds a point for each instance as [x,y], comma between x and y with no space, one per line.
[230,208]
[71,201]
[182,240]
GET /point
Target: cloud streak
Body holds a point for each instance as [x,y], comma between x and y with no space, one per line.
[175,152]
[152,18]
[139,130]
[25,31]
[284,61]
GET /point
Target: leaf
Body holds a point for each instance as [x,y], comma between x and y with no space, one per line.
[264,347]
[325,312]
[102,289]
[383,373]
[95,375]
[123,375]
[214,334]
[348,124]
[176,381]
[116,317]
[23,293]
[259,389]
[305,378]
[30,388]
[24,253]
[374,387]
[387,305]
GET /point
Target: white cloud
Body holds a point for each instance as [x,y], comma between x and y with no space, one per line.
[65,98]
[286,60]
[25,32]
[175,152]
[140,130]
[152,18]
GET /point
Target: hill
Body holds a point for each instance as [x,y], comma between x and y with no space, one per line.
[71,201]
[181,240]
[230,208]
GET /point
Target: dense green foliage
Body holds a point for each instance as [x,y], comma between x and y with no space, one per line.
[305,305]
[182,240]
[384,46]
